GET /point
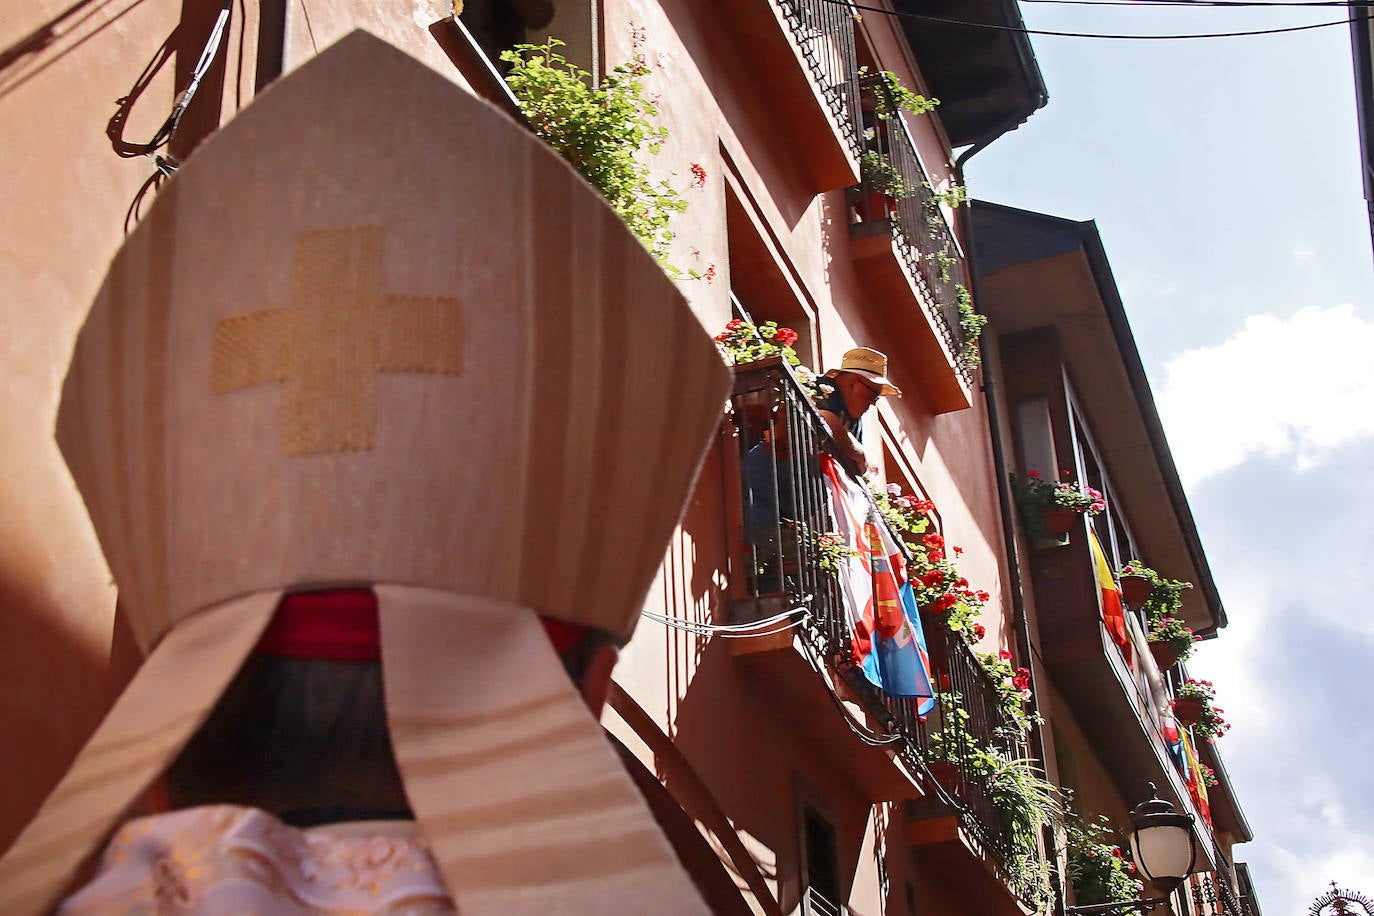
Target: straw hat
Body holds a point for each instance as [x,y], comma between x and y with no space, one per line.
[871,365]
[338,351]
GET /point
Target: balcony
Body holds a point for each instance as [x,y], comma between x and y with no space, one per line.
[1119,699]
[801,52]
[774,437]
[1215,895]
[907,255]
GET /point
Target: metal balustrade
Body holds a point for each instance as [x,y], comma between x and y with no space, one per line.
[784,505]
[824,30]
[918,225]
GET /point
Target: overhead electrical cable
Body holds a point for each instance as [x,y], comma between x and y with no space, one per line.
[964,23]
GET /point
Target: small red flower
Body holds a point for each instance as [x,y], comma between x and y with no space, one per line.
[983,596]
[935,556]
[979,631]
[933,540]
[1004,655]
[933,578]
[1035,475]
[958,551]
[710,274]
[698,175]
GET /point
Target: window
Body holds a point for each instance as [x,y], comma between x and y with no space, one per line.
[820,865]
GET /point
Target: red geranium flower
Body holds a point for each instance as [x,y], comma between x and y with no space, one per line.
[1004,655]
[933,540]
[935,556]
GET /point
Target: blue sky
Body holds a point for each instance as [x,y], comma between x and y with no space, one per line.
[1224,178]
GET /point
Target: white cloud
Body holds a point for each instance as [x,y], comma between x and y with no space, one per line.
[1303,254]
[1298,386]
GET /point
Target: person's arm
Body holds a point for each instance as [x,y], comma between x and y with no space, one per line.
[851,450]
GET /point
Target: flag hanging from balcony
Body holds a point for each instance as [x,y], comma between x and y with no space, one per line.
[1197,784]
[1113,612]
[889,645]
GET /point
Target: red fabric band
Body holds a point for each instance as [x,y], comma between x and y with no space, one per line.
[341,625]
[338,624]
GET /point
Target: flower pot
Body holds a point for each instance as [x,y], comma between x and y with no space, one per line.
[876,205]
[1188,711]
[1166,655]
[1135,591]
[1057,520]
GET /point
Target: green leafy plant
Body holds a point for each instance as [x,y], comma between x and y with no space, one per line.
[832,553]
[742,342]
[1172,631]
[890,96]
[1013,689]
[1211,724]
[603,131]
[879,174]
[1166,595]
[1035,495]
[1099,870]
[953,197]
[971,324]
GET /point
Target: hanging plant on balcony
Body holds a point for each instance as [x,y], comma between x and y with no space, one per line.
[1013,689]
[832,553]
[602,131]
[889,96]
[882,187]
[1195,706]
[1099,870]
[741,342]
[1170,641]
[1051,509]
[971,325]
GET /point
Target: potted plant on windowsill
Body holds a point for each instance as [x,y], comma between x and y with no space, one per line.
[1170,641]
[882,187]
[1135,580]
[1051,509]
[1195,707]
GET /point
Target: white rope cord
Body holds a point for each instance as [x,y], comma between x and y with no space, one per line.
[769,626]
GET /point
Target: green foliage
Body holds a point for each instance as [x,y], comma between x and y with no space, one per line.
[891,96]
[1166,595]
[953,197]
[879,174]
[1099,870]
[741,342]
[832,553]
[602,131]
[1034,495]
[1211,724]
[971,324]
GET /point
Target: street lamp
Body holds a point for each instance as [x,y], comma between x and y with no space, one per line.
[1162,846]
[1162,843]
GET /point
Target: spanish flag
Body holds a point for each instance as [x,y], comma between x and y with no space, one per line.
[1113,613]
[1197,785]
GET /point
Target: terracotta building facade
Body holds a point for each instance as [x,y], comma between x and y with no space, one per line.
[787,780]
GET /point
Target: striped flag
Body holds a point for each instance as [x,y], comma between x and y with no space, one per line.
[1113,612]
[889,645]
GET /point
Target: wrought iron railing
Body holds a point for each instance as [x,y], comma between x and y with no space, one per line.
[916,221]
[824,30]
[784,505]
[1214,895]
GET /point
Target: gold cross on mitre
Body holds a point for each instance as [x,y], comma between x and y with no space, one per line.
[337,334]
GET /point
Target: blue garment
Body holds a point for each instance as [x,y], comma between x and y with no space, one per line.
[768,492]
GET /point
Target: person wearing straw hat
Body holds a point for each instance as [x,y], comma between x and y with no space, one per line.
[855,387]
[271,413]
